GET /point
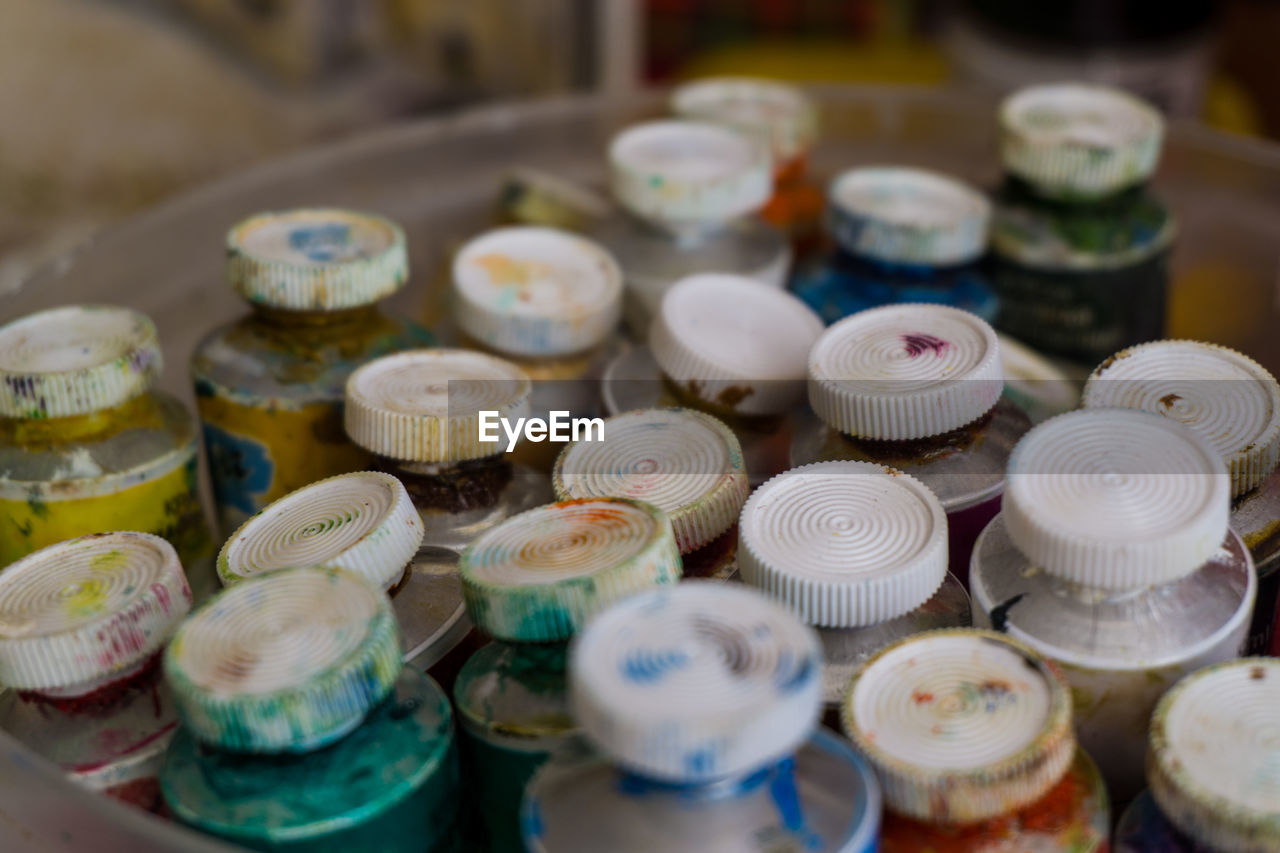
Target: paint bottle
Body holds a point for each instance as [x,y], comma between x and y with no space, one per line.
[269,385]
[858,551]
[687,191]
[84,623]
[301,730]
[1233,403]
[918,388]
[87,445]
[1112,557]
[787,119]
[970,736]
[684,462]
[701,700]
[1079,244]
[531,583]
[901,235]
[419,414]
[728,346]
[1211,764]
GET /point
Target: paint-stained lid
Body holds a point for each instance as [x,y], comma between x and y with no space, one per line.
[961,725]
[80,614]
[781,114]
[538,576]
[316,259]
[285,662]
[696,682]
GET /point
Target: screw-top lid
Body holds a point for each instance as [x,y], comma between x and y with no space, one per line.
[736,343]
[363,522]
[908,216]
[961,725]
[684,173]
[782,115]
[844,544]
[316,259]
[684,462]
[75,360]
[536,291]
[1116,498]
[1076,139]
[539,575]
[905,371]
[78,614]
[425,405]
[1228,398]
[1213,755]
[696,682]
[285,662]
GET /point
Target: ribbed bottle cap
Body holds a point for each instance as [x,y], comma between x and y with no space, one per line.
[696,682]
[844,544]
[75,614]
[1228,398]
[905,371]
[908,216]
[285,662]
[783,115]
[1076,139]
[316,259]
[76,360]
[1213,753]
[688,173]
[539,575]
[363,522]
[1116,498]
[684,462]
[961,725]
[736,343]
[425,405]
[536,291]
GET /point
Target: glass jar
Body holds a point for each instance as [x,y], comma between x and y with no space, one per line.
[701,701]
[531,583]
[1113,558]
[970,736]
[684,462]
[269,386]
[86,622]
[1079,245]
[918,388]
[901,235]
[300,730]
[87,445]
[687,190]
[858,551]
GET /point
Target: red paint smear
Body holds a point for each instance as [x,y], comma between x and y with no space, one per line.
[919,343]
[137,745]
[921,697]
[106,696]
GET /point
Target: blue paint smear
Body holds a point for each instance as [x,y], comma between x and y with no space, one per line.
[242,469]
[322,243]
[786,798]
[646,666]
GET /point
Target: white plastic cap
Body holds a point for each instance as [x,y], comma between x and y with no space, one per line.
[781,114]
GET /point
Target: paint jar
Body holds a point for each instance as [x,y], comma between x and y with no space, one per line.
[858,551]
[1233,403]
[419,413]
[84,625]
[684,462]
[87,445]
[901,235]
[531,583]
[970,736]
[701,700]
[1211,766]
[687,191]
[784,117]
[1112,557]
[917,388]
[269,386]
[1079,244]
[531,196]
[728,346]
[301,731]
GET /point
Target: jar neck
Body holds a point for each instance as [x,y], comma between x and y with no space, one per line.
[1020,189]
[545,658]
[780,777]
[452,487]
[684,236]
[919,450]
[685,395]
[104,697]
[310,319]
[140,412]
[863,266]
